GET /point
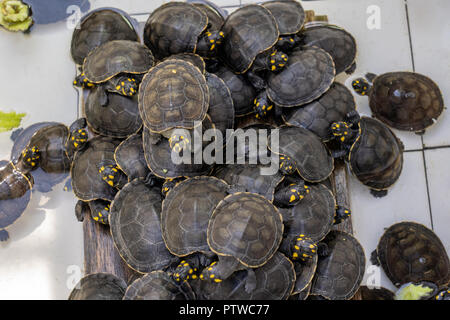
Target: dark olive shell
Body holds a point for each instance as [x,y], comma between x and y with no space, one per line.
[249,31]
[340,273]
[406,100]
[15,194]
[158,285]
[87,183]
[136,227]
[290,15]
[410,252]
[186,211]
[376,158]
[246,226]
[99,286]
[340,44]
[130,158]
[242,92]
[314,163]
[173,94]
[116,57]
[174,28]
[99,27]
[304,272]
[193,58]
[319,115]
[375,293]
[118,119]
[215,18]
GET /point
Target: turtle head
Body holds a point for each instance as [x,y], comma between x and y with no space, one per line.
[78,138]
[110,173]
[126,86]
[303,248]
[168,185]
[184,272]
[288,43]
[277,61]
[101,215]
[444,294]
[180,140]
[297,192]
[287,165]
[30,157]
[214,39]
[82,82]
[262,105]
[341,214]
[210,273]
[341,130]
[361,86]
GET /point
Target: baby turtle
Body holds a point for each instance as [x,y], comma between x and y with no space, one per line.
[302,151]
[375,293]
[179,27]
[410,252]
[318,116]
[158,285]
[15,194]
[136,228]
[332,280]
[403,100]
[375,154]
[118,118]
[99,27]
[99,286]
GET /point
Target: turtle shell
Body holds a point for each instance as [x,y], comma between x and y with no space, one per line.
[99,286]
[193,58]
[215,18]
[376,158]
[249,31]
[340,44]
[130,157]
[319,115]
[242,92]
[99,27]
[87,183]
[118,119]
[115,57]
[406,100]
[290,15]
[304,272]
[314,163]
[410,252]
[308,74]
[173,94]
[186,211]
[174,28]
[375,293]
[159,160]
[340,273]
[136,227]
[221,107]
[249,178]
[15,194]
[158,285]
[246,226]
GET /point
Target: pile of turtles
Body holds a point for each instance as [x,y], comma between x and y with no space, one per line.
[219,230]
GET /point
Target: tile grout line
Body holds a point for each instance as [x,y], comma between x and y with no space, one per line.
[421,137]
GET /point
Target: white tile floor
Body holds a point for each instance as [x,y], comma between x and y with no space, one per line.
[47,241]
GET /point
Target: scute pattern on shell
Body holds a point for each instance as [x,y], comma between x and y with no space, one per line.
[289,15]
[339,274]
[308,74]
[410,252]
[99,286]
[406,100]
[247,227]
[376,158]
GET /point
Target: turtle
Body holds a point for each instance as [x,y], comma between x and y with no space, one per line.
[332,280]
[158,285]
[290,17]
[179,27]
[275,281]
[15,194]
[373,152]
[303,152]
[380,293]
[99,286]
[98,27]
[245,231]
[114,66]
[136,228]
[242,92]
[318,116]
[174,94]
[410,252]
[130,158]
[118,117]
[338,42]
[308,74]
[406,101]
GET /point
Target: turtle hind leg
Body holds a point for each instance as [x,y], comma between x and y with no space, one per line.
[374,258]
[378,193]
[4,235]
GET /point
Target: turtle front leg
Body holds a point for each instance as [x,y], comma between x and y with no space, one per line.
[221,270]
[257,81]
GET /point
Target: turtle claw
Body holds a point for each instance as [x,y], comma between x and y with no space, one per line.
[4,235]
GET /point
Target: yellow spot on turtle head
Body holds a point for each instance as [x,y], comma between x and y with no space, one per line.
[292,199]
[295,255]
[96,218]
[212,276]
[274,68]
[174,71]
[100,214]
[194,276]
[342,139]
[111,183]
[217,280]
